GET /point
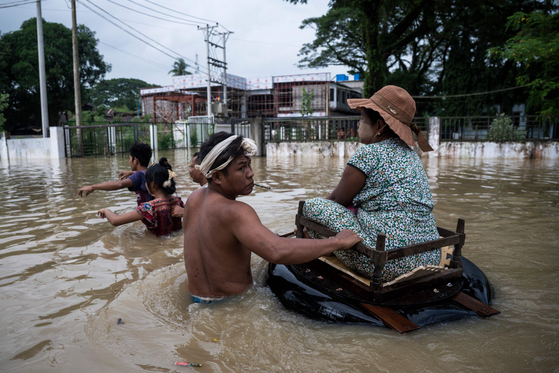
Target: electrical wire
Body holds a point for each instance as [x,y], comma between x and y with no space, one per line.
[184,14]
[163,67]
[149,15]
[135,36]
[473,94]
[2,6]
[165,14]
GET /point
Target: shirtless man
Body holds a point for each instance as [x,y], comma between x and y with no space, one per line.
[220,233]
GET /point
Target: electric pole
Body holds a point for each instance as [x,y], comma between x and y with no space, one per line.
[207,32]
[225,37]
[77,95]
[42,72]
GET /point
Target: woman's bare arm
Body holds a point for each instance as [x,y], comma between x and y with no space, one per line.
[351,183]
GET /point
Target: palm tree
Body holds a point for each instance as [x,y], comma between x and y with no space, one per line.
[179,68]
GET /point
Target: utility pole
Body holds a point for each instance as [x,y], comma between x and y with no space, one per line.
[207,32]
[42,72]
[225,37]
[77,95]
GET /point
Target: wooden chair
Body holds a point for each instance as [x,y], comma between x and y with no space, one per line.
[406,291]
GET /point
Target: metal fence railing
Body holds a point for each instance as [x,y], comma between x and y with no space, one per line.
[102,139]
[499,128]
[319,128]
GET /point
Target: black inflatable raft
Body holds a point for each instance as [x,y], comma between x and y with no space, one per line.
[305,289]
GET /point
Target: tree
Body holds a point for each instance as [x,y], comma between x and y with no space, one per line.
[113,93]
[179,68]
[19,70]
[371,36]
[535,49]
[432,48]
[3,105]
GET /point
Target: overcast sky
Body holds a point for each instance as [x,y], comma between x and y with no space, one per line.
[265,41]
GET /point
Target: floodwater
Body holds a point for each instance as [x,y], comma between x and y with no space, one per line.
[66,277]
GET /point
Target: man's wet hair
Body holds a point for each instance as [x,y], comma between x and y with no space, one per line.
[159,173]
[234,149]
[196,155]
[142,152]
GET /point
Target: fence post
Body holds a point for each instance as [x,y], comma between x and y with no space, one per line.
[434,135]
[56,142]
[3,146]
[256,130]
[153,137]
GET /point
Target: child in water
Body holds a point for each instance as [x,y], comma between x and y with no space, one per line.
[155,214]
[134,180]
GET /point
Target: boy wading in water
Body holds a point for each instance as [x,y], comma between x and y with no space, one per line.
[134,180]
[220,232]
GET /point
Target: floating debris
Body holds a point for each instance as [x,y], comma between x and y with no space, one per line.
[119,321]
[187,364]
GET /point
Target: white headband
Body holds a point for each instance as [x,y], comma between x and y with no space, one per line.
[248,145]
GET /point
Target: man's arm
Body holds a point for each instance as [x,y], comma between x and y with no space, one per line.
[248,229]
[116,219]
[109,185]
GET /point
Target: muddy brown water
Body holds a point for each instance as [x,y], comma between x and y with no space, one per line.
[66,277]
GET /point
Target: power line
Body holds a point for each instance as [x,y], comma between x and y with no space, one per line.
[149,15]
[135,36]
[184,14]
[17,4]
[473,94]
[165,14]
[138,57]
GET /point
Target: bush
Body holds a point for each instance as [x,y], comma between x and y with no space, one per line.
[165,141]
[502,129]
[193,138]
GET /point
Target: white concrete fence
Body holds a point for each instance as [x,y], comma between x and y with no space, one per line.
[53,147]
[33,148]
[444,149]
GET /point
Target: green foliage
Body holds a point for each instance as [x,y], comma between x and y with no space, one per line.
[3,104]
[502,130]
[535,47]
[19,70]
[433,48]
[165,141]
[119,94]
[306,103]
[306,111]
[193,138]
[179,68]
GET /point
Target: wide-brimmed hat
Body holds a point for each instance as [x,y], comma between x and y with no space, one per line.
[397,108]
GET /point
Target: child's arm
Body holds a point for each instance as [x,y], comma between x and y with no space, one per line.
[109,185]
[124,174]
[116,219]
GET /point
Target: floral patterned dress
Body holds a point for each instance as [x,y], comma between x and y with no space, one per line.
[395,200]
[156,215]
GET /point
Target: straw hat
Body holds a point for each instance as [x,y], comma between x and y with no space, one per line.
[397,108]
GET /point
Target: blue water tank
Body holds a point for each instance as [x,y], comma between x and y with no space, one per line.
[341,77]
[357,77]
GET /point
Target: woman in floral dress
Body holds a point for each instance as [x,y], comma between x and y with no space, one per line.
[384,188]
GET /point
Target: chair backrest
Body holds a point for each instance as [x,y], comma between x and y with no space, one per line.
[425,287]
